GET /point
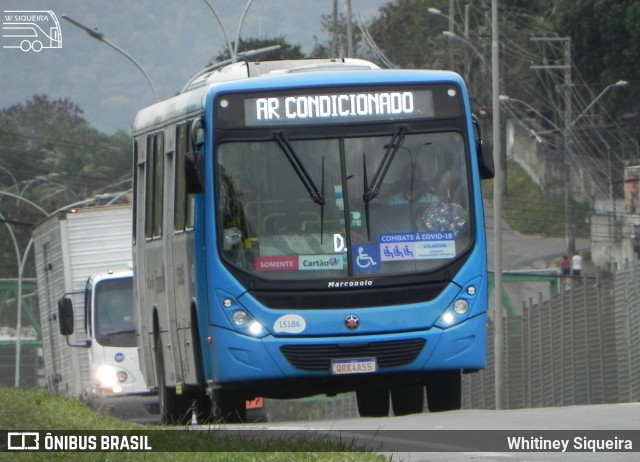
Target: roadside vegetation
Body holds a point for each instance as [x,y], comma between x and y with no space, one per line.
[526,209]
[32,410]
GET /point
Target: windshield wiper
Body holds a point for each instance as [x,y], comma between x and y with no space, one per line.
[317,195]
[373,189]
[294,160]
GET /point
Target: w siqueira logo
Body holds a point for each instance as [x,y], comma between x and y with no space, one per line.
[31,30]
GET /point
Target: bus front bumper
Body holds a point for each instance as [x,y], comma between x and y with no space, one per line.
[242,358]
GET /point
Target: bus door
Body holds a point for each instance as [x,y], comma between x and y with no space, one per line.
[179,256]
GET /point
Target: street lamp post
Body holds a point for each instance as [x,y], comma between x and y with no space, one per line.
[21,265]
[497,207]
[100,36]
[508,99]
[437,12]
[451,33]
[618,84]
[568,134]
[233,48]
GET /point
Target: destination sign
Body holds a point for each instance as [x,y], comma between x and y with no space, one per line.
[330,108]
[338,106]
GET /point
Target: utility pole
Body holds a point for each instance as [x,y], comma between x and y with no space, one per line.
[570,232]
[349,30]
[451,30]
[498,324]
[334,36]
[568,146]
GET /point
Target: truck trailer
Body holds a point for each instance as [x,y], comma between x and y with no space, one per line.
[85,292]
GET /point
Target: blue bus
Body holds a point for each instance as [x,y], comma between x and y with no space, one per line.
[310,227]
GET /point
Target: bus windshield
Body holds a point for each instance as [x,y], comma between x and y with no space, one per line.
[343,207]
[115,325]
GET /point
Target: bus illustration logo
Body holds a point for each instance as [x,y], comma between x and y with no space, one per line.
[31,30]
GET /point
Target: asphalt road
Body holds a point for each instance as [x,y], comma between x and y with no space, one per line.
[462,435]
[529,255]
[526,252]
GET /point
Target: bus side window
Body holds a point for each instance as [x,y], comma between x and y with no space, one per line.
[154,186]
[148,190]
[194,159]
[180,197]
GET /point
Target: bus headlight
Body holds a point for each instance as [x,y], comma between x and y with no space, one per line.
[448,318]
[240,318]
[255,328]
[247,324]
[461,306]
[456,313]
[106,376]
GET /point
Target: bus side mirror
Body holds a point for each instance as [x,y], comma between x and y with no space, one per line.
[194,172]
[65,316]
[485,159]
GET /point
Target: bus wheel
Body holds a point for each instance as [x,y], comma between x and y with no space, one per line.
[229,406]
[407,400]
[373,402]
[172,410]
[444,391]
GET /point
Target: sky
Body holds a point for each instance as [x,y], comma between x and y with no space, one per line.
[170,39]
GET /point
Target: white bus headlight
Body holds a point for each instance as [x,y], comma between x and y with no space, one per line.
[255,329]
[240,318]
[122,376]
[107,376]
[457,312]
[247,324]
[461,306]
[448,318]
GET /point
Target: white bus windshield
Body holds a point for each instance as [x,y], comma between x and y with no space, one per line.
[114,321]
[343,207]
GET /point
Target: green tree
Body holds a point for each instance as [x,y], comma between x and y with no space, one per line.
[52,157]
[409,35]
[29,133]
[605,36]
[286,51]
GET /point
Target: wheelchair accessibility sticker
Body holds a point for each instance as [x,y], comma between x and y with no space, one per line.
[366,257]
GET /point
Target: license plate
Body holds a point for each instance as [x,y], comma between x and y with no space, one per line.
[353,366]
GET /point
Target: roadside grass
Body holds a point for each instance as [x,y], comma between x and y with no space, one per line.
[32,410]
[526,209]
